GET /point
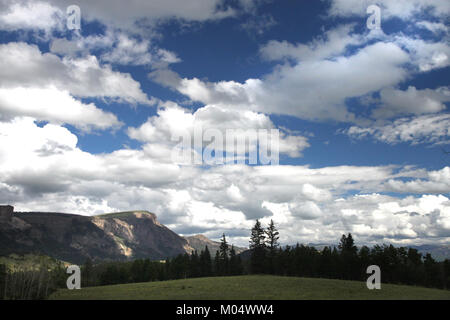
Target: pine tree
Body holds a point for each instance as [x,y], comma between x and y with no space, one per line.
[349,257]
[217,264]
[258,247]
[223,256]
[257,237]
[272,245]
[235,263]
[205,263]
[347,244]
[194,265]
[87,272]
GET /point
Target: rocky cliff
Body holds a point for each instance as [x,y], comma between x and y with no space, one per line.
[74,238]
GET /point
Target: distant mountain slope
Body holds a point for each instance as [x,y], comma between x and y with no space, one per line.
[438,252]
[73,238]
[199,242]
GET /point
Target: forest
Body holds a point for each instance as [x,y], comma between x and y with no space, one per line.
[399,265]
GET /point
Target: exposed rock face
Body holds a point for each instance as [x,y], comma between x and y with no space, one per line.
[199,242]
[74,238]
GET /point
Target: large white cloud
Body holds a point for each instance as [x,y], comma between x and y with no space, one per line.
[30,15]
[425,55]
[434,128]
[44,169]
[396,102]
[371,218]
[315,81]
[333,43]
[51,14]
[113,12]
[53,105]
[116,47]
[403,9]
[162,131]
[437,181]
[313,90]
[25,65]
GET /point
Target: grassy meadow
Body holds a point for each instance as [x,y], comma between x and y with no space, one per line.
[264,287]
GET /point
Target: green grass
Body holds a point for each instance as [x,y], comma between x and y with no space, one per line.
[248,288]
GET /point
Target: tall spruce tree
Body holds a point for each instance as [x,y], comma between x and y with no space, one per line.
[194,265]
[236,267]
[87,272]
[205,263]
[347,244]
[258,248]
[223,256]
[217,264]
[349,258]
[272,236]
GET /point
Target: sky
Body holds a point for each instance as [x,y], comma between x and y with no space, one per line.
[88,115]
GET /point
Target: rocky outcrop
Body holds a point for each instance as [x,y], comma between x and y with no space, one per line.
[74,238]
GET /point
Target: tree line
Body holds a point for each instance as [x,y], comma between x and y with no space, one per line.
[30,284]
[225,262]
[265,256]
[398,265]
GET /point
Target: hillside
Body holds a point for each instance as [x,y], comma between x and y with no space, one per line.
[438,252]
[199,242]
[30,262]
[74,238]
[250,288]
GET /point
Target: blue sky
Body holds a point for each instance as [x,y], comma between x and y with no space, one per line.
[87,116]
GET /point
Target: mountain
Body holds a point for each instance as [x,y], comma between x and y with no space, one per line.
[74,238]
[199,242]
[438,252]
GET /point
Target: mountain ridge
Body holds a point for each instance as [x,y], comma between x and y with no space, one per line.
[74,238]
[71,237]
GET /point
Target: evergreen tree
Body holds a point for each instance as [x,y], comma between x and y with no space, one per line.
[205,263]
[432,272]
[349,257]
[347,244]
[258,247]
[235,263]
[223,256]
[87,273]
[194,265]
[137,271]
[326,263]
[272,236]
[364,261]
[446,274]
[217,264]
